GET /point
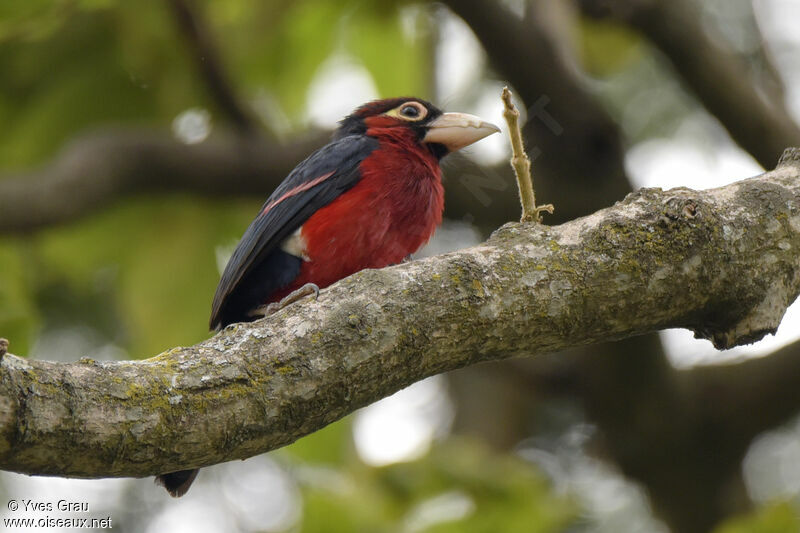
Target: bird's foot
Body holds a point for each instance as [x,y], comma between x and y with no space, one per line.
[306,290]
[406,259]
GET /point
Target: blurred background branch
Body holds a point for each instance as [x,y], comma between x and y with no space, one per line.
[108,165]
[756,117]
[201,47]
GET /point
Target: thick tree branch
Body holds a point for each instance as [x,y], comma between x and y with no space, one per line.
[674,26]
[724,262]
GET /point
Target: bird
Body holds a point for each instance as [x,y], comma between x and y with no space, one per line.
[368,199]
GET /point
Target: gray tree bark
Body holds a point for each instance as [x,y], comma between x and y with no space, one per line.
[723,262]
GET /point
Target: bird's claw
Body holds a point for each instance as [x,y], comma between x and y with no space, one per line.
[274,307]
[306,290]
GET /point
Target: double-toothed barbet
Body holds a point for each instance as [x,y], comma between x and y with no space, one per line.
[368,199]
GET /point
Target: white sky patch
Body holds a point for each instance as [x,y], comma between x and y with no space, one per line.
[793,94]
[450,236]
[771,467]
[445,507]
[459,58]
[685,351]
[516,6]
[610,501]
[495,148]
[685,161]
[192,515]
[192,126]
[410,21]
[222,254]
[269,110]
[779,18]
[403,426]
[341,85]
[102,495]
[72,343]
[263,495]
[253,495]
[778,22]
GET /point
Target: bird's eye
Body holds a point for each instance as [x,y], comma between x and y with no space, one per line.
[410,111]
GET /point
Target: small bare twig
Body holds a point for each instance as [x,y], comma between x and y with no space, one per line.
[521,164]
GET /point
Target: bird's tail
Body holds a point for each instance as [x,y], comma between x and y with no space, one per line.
[177,483]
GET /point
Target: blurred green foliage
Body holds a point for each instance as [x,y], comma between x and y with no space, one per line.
[458,487]
[607,48]
[776,518]
[140,274]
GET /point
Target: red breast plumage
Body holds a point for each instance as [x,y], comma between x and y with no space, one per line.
[390,213]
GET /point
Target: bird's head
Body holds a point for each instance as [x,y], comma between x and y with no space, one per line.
[442,133]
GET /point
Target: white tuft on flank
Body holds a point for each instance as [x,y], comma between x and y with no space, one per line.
[295,244]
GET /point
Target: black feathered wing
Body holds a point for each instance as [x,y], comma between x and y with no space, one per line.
[314,183]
